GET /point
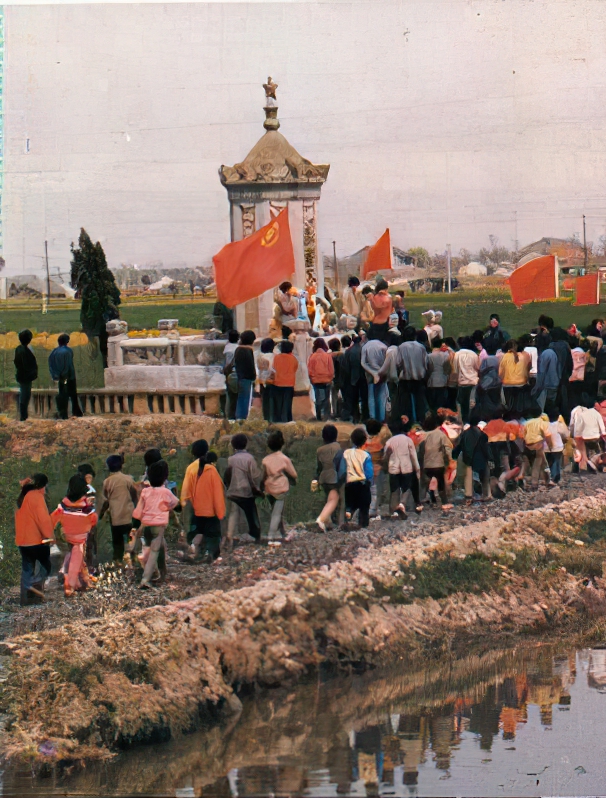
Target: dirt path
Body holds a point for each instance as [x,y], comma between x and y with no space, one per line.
[307,550]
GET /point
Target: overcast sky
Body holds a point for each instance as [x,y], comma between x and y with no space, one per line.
[445,121]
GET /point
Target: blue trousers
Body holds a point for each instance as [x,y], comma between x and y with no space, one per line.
[377,400]
[244,394]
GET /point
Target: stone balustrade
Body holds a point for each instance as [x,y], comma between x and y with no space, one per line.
[100,401]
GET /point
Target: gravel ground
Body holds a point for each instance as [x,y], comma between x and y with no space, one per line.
[306,549]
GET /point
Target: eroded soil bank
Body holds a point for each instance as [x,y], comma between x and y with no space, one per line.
[93,687]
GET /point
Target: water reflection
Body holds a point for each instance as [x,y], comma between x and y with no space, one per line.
[480,726]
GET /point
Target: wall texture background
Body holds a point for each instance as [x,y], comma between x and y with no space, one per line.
[445,121]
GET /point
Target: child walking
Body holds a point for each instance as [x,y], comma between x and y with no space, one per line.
[77,518]
[473,446]
[242,480]
[404,473]
[155,503]
[559,435]
[119,498]
[327,474]
[33,533]
[203,500]
[278,472]
[378,434]
[354,467]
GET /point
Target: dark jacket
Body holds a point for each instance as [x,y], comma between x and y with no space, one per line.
[61,364]
[494,339]
[351,366]
[244,363]
[473,445]
[564,354]
[26,367]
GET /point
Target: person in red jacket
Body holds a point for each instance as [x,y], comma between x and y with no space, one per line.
[33,534]
[77,518]
[284,375]
[321,368]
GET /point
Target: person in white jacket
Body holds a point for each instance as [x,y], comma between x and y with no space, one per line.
[586,427]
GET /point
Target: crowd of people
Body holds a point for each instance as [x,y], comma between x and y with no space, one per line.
[503,413]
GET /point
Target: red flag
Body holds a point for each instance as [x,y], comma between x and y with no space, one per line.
[587,289]
[535,281]
[379,256]
[246,269]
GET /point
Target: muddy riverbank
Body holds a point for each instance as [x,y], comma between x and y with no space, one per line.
[96,686]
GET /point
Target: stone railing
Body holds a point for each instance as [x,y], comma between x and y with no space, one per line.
[100,401]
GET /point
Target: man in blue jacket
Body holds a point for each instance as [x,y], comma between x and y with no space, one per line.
[61,367]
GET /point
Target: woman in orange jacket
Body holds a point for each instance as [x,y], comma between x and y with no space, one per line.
[204,497]
[77,518]
[321,368]
[33,534]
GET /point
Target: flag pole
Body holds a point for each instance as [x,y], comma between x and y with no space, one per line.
[336,266]
[557,276]
[449,263]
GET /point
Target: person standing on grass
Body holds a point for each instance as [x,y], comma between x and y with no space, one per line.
[26,371]
[321,369]
[466,365]
[120,497]
[334,346]
[231,378]
[278,475]
[372,360]
[243,364]
[284,374]
[439,367]
[354,387]
[495,336]
[265,359]
[33,535]
[61,367]
[412,362]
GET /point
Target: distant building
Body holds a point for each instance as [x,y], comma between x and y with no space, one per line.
[473,269]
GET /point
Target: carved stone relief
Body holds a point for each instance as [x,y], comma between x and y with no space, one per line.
[248,220]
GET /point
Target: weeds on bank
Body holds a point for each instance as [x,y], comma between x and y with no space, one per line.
[441,576]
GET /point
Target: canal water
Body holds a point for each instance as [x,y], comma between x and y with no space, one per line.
[529,722]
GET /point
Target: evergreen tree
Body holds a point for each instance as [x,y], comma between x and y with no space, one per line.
[96,288]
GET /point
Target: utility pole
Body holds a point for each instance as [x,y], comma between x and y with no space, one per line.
[336,265]
[584,243]
[47,271]
[449,265]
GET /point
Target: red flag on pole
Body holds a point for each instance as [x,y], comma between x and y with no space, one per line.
[587,289]
[379,256]
[246,269]
[535,281]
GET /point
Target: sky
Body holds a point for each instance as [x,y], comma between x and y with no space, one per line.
[444,121]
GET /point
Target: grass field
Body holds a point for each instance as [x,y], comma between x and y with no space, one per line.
[464,311]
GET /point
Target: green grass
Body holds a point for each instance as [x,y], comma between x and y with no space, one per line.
[464,311]
[142,315]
